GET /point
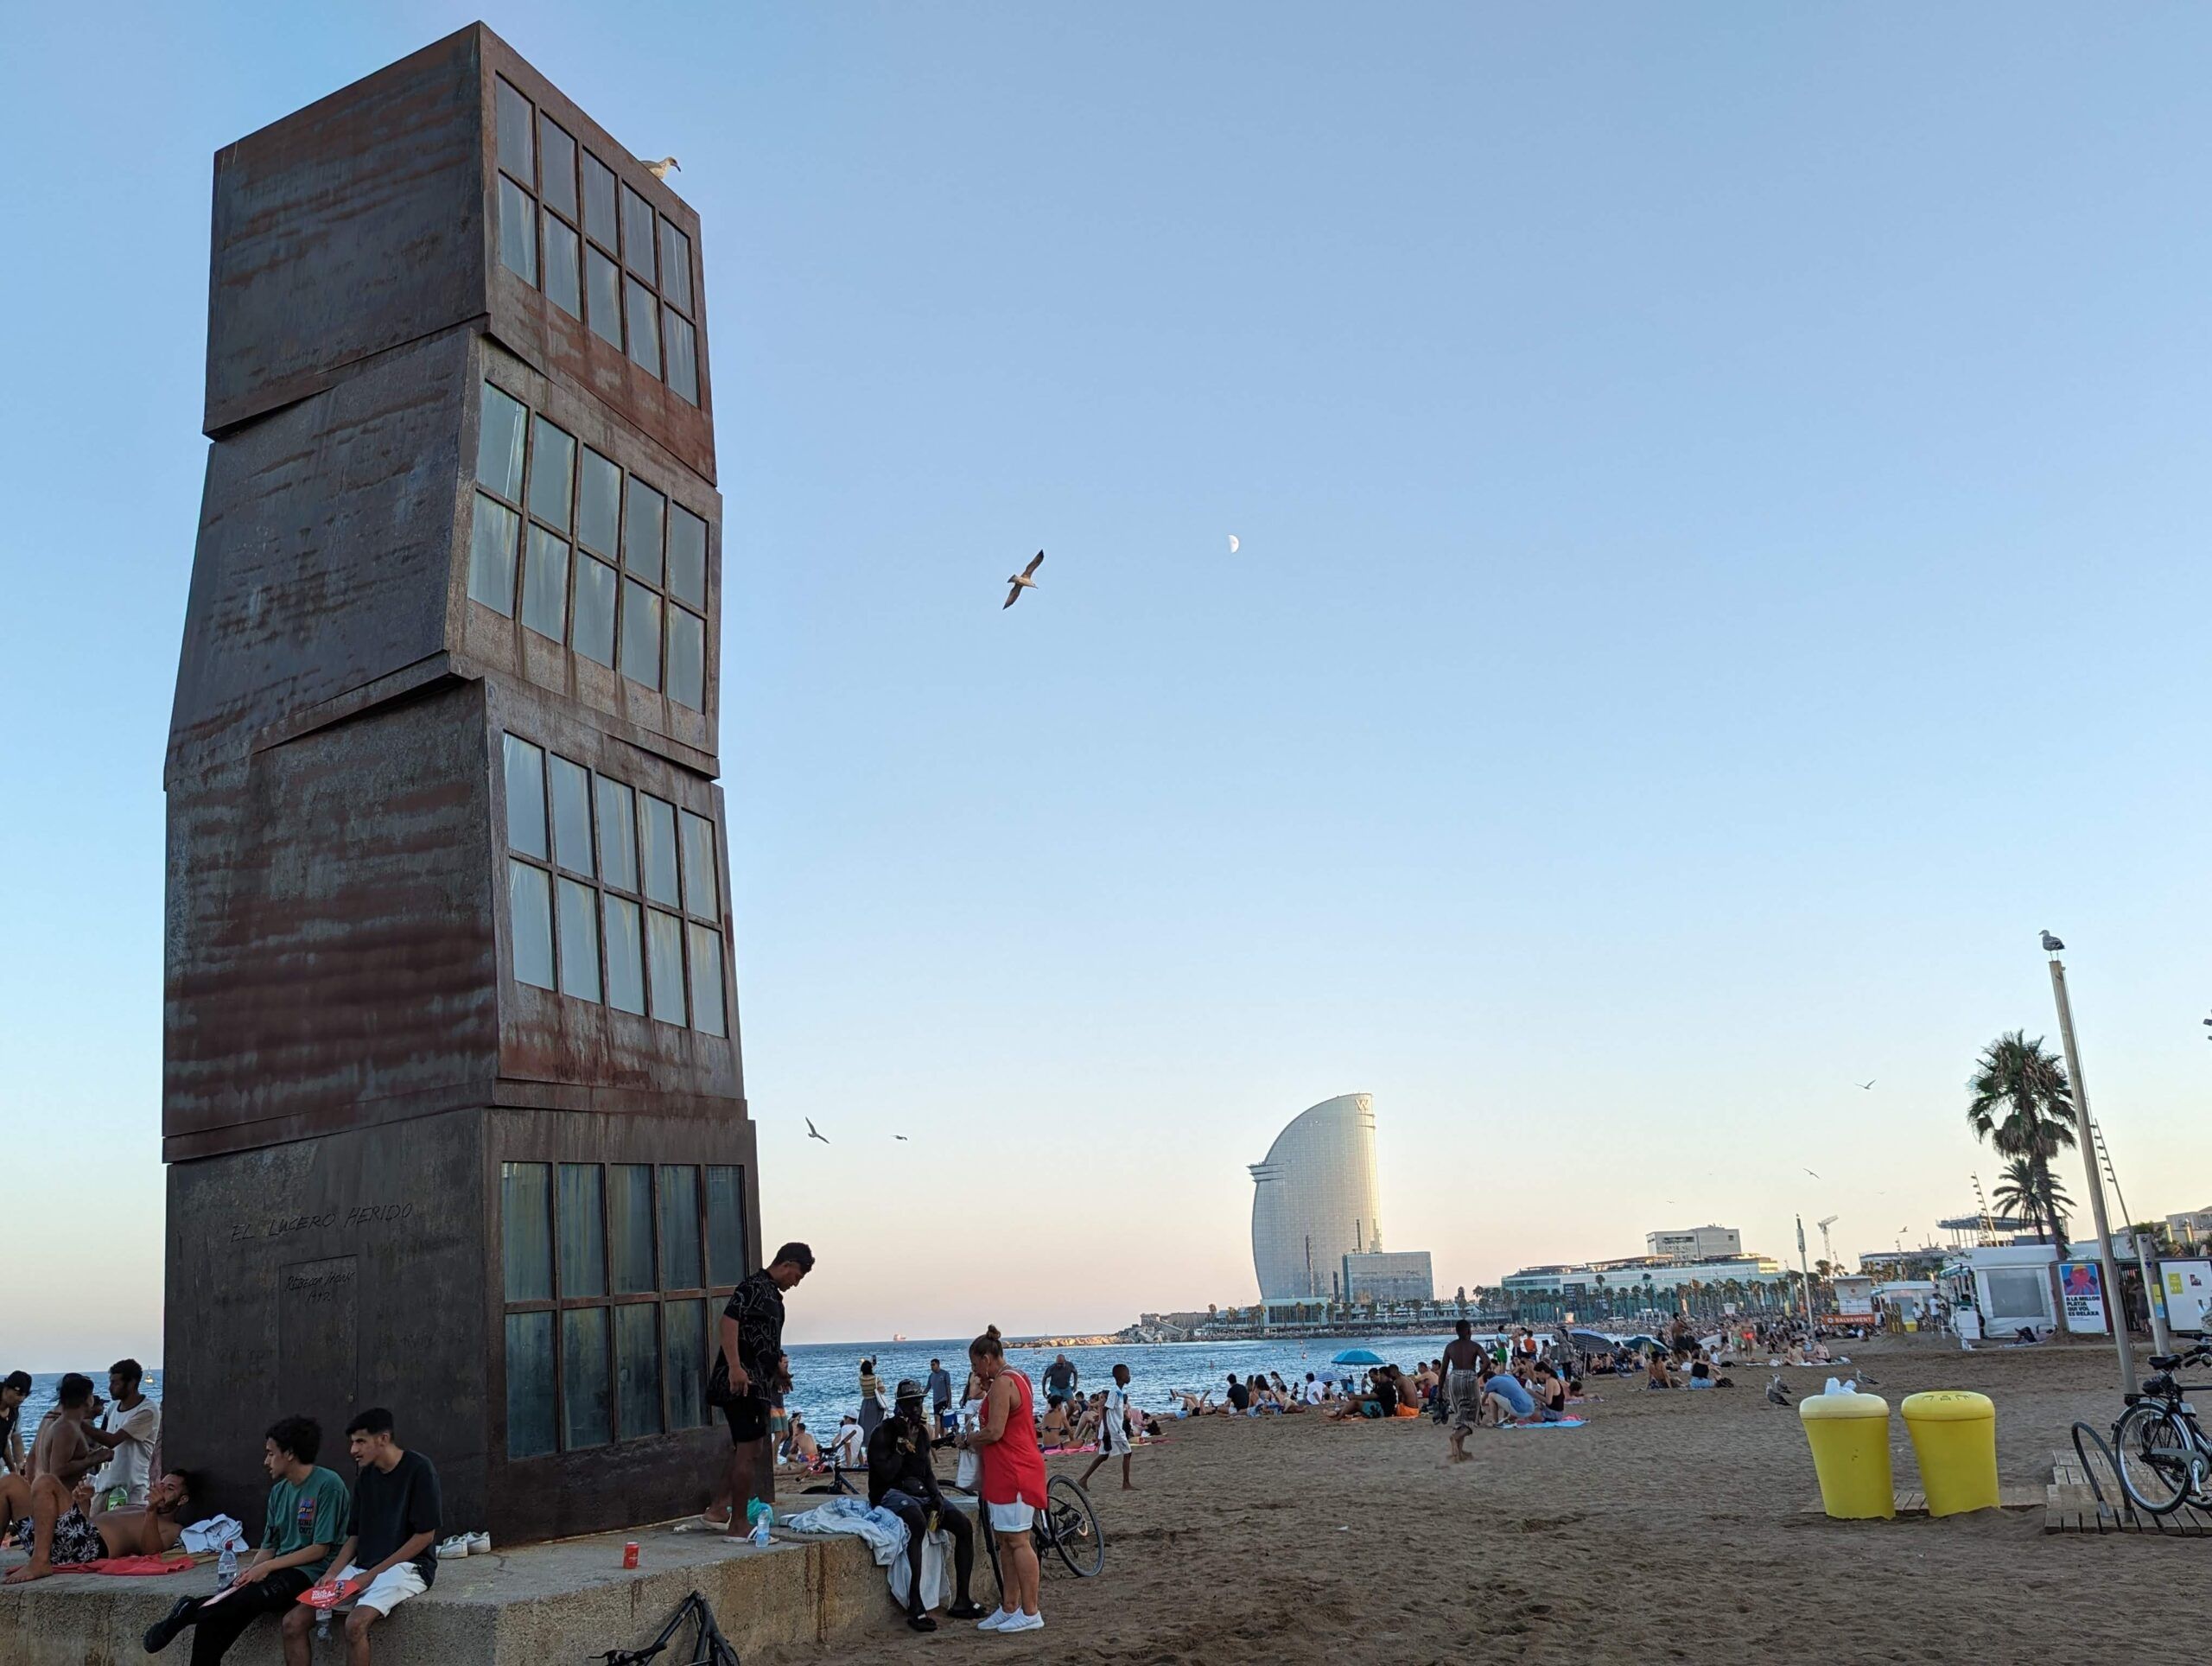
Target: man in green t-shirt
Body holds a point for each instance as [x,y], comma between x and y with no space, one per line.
[307,1507]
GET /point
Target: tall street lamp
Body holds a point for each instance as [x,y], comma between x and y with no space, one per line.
[2114,1310]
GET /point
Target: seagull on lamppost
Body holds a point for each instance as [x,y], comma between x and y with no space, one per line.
[814,1133]
[2052,945]
[1024,580]
[661,169]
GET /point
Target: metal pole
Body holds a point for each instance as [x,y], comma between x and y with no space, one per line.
[1806,1274]
[2088,1137]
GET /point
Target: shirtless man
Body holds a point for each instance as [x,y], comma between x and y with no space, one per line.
[62,1456]
[1463,1387]
[147,1530]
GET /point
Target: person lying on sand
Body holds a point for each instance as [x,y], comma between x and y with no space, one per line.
[1195,1405]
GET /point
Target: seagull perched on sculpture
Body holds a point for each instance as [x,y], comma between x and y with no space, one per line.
[663,168]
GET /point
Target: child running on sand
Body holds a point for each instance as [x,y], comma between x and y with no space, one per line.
[1115,1426]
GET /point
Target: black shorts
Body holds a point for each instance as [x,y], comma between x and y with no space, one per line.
[748,1419]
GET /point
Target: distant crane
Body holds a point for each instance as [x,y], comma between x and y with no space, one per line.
[1827,1245]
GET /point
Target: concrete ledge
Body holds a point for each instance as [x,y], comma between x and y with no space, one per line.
[535,1606]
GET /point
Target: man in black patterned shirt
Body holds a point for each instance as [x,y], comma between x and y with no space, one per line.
[752,1346]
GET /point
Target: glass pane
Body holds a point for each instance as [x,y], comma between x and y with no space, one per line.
[626,965]
[725,1225]
[599,199]
[513,116]
[675,267]
[636,1369]
[594,633]
[572,815]
[583,1230]
[588,1402]
[640,634]
[660,850]
[552,471]
[683,1337]
[499,444]
[545,584]
[644,517]
[525,767]
[682,356]
[700,895]
[637,234]
[603,297]
[599,500]
[517,231]
[579,940]
[529,905]
[706,980]
[556,182]
[665,953]
[645,326]
[565,279]
[529,1385]
[491,555]
[630,1214]
[687,659]
[526,1230]
[680,1266]
[618,834]
[687,557]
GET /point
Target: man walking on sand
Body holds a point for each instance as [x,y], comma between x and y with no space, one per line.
[1463,1387]
[1113,1430]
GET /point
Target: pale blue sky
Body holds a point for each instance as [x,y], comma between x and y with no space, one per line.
[1722,492]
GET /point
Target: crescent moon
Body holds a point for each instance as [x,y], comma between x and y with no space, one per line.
[1233,545]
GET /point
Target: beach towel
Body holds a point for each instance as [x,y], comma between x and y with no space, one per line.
[1563,1423]
[885,1533]
[129,1568]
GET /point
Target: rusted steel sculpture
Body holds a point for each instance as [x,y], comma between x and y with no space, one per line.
[452,1100]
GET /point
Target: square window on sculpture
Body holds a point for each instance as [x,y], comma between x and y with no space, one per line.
[594,630]
[687,558]
[658,845]
[552,471]
[706,980]
[524,766]
[625,956]
[491,555]
[618,834]
[571,795]
[512,111]
[556,178]
[579,906]
[664,964]
[687,659]
[565,282]
[640,634]
[702,895]
[675,268]
[630,1227]
[599,504]
[643,521]
[545,584]
[636,1369]
[637,234]
[585,1396]
[682,358]
[642,321]
[517,231]
[603,297]
[501,425]
[599,202]
[529,918]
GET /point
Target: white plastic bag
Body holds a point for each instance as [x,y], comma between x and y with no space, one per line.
[968,1474]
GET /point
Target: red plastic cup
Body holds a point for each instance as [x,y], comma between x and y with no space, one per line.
[630,1554]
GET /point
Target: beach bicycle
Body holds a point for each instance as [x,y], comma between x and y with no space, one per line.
[1067,1524]
[2162,1457]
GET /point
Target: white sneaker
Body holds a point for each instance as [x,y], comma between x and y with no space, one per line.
[1022,1623]
[454,1548]
[995,1618]
[479,1544]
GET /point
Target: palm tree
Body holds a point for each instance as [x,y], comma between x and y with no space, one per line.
[2032,1193]
[2023,1104]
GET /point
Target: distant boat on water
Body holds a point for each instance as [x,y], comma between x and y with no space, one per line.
[898,1336]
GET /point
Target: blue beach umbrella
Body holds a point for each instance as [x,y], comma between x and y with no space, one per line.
[1357,1357]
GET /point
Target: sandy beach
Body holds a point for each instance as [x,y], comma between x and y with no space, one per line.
[1673,1527]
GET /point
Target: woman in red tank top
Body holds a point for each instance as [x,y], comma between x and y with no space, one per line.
[1014,1481]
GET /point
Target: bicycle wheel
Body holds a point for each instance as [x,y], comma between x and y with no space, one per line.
[2155,1456]
[1072,1526]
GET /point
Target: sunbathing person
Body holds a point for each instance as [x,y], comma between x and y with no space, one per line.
[1086,1427]
[1195,1405]
[1053,1430]
[43,1510]
[901,1480]
[805,1450]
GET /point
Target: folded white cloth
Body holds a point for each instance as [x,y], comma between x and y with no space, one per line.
[885,1533]
[212,1533]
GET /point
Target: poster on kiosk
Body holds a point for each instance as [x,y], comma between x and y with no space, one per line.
[2081,1284]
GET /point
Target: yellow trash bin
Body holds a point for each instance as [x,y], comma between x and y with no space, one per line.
[1955,1437]
[1850,1437]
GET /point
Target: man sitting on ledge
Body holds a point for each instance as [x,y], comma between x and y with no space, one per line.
[391,1550]
[900,1479]
[42,1510]
[147,1530]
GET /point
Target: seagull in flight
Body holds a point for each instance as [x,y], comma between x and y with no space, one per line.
[661,169]
[814,1133]
[1808,1171]
[1024,580]
[898,1136]
[1868,1085]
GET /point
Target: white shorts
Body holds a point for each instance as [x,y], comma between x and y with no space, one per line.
[388,1590]
[1113,1439]
[1016,1518]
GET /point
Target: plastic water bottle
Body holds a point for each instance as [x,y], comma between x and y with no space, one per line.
[763,1515]
[226,1570]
